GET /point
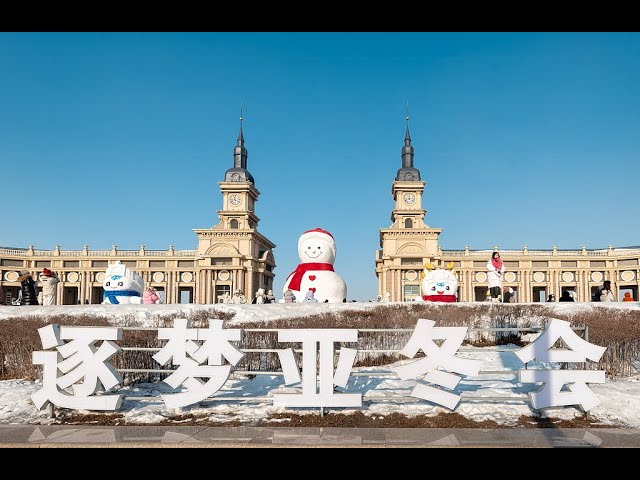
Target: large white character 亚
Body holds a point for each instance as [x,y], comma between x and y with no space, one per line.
[122,285]
[317,252]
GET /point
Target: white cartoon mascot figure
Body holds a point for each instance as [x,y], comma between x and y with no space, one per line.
[317,252]
[439,285]
[122,285]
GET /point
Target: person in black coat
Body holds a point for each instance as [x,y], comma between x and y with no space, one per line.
[29,296]
[566,297]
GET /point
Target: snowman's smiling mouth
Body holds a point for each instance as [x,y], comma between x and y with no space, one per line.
[313,253]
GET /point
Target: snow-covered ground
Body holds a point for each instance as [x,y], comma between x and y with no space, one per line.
[620,398]
[143,315]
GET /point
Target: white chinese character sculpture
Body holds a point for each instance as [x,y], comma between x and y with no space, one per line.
[311,396]
[442,356]
[83,366]
[190,356]
[551,394]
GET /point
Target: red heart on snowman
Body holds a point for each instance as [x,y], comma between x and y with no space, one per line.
[312,277]
[313,290]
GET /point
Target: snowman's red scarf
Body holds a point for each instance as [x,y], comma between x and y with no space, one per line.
[303,268]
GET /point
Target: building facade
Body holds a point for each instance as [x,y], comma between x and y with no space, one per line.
[230,256]
[409,243]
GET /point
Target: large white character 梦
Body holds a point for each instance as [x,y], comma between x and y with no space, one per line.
[317,252]
[122,285]
[439,285]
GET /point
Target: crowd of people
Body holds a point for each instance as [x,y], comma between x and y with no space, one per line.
[27,294]
[495,273]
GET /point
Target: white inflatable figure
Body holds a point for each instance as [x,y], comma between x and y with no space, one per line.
[317,252]
[439,285]
[387,297]
[122,285]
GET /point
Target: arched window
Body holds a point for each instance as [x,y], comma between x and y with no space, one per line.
[233,224]
[408,223]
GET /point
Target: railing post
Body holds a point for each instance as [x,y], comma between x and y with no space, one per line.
[586,333]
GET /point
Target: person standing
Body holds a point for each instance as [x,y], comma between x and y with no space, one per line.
[606,295]
[270,298]
[49,282]
[310,297]
[508,296]
[566,297]
[495,270]
[149,297]
[28,289]
[627,297]
[551,298]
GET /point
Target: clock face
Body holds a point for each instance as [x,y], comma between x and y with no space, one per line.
[409,198]
[234,200]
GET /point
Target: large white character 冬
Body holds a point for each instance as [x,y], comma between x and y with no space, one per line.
[83,365]
[551,394]
[439,285]
[317,252]
[443,356]
[189,355]
[311,396]
[122,285]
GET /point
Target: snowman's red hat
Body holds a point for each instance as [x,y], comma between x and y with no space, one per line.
[318,230]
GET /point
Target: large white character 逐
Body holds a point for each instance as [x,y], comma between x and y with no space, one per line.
[122,285]
[74,372]
[317,252]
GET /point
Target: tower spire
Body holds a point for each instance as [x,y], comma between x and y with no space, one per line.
[408,173]
[407,136]
[240,152]
[407,150]
[240,135]
[239,172]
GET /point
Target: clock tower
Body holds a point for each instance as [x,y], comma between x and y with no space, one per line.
[233,255]
[409,242]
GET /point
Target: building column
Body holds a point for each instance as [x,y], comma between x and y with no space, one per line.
[200,287]
[394,286]
[214,285]
[209,285]
[60,290]
[249,293]
[83,287]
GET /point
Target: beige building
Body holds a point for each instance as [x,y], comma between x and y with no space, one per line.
[230,256]
[409,243]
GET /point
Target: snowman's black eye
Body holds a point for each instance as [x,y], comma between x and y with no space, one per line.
[308,248]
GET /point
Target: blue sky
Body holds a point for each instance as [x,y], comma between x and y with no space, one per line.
[121,138]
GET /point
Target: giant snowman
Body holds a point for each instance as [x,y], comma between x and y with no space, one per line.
[122,285]
[317,252]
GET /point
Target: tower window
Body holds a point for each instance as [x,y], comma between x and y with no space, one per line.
[408,223]
[233,224]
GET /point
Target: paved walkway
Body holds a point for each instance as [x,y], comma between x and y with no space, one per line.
[88,436]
